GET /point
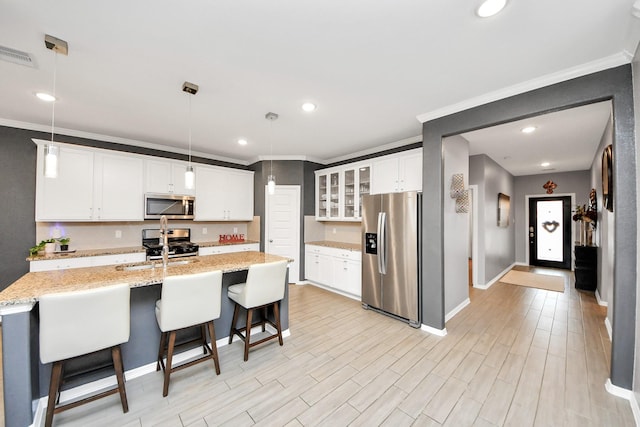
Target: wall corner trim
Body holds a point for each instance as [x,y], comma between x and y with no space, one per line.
[433,331]
[607,324]
[601,301]
[625,394]
[457,309]
[498,276]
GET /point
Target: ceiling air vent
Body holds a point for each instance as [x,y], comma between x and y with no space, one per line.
[16,56]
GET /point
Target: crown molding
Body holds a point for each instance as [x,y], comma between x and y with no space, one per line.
[389,146]
[537,83]
[62,132]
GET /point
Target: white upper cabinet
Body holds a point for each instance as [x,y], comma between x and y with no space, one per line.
[118,195]
[92,185]
[397,172]
[69,196]
[105,185]
[339,192]
[165,177]
[223,194]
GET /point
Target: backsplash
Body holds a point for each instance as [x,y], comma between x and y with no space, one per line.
[347,232]
[91,235]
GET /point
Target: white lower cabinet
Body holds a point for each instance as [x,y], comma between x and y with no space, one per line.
[94,261]
[227,249]
[335,269]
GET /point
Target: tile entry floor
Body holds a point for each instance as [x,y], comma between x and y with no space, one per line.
[515,356]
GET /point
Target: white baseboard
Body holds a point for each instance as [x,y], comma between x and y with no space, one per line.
[600,300]
[108,382]
[457,310]
[434,331]
[498,276]
[625,394]
[607,324]
[334,290]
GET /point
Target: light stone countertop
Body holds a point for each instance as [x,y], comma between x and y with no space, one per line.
[118,251]
[28,288]
[87,253]
[337,245]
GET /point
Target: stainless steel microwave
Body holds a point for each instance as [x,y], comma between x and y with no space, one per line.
[171,205]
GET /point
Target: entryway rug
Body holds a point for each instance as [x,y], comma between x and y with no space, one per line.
[534,280]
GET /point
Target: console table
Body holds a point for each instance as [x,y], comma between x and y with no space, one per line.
[586,270]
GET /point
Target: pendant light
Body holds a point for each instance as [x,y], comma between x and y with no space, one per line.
[50,150]
[271,179]
[189,174]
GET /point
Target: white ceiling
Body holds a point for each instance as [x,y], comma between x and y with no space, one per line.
[566,139]
[371,67]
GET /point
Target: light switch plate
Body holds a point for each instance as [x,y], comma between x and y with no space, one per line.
[204,230]
[118,234]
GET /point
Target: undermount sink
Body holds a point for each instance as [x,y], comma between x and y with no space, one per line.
[148,266]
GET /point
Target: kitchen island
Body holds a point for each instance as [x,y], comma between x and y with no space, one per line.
[26,380]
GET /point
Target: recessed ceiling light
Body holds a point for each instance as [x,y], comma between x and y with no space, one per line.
[545,164]
[242,141]
[309,107]
[528,129]
[490,7]
[45,97]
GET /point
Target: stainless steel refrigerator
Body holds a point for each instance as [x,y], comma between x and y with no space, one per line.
[390,274]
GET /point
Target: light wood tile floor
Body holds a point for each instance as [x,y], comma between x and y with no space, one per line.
[516,356]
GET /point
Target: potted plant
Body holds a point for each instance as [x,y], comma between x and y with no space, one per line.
[49,245]
[44,246]
[64,243]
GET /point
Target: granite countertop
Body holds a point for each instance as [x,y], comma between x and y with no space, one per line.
[31,286]
[118,251]
[216,243]
[337,245]
[87,253]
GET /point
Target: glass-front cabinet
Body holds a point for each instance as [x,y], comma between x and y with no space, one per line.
[328,195]
[364,185]
[339,192]
[322,196]
[334,195]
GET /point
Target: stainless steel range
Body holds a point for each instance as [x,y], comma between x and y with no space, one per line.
[179,242]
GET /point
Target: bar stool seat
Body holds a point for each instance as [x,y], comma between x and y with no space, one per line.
[188,301]
[264,288]
[78,323]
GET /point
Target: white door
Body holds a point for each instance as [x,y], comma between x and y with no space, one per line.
[282,226]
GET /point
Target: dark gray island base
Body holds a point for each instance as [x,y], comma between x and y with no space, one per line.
[26,380]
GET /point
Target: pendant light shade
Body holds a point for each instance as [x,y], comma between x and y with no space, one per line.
[271,184]
[50,161]
[50,150]
[189,174]
[271,179]
[189,178]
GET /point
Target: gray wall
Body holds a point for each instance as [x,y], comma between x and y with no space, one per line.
[614,84]
[531,185]
[496,245]
[18,195]
[605,229]
[456,227]
[636,94]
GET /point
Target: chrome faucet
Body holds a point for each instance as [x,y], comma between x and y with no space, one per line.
[164,232]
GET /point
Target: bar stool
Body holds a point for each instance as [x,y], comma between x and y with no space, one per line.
[264,288]
[187,301]
[78,323]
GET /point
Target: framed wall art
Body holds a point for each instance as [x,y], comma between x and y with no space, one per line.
[504,204]
[607,178]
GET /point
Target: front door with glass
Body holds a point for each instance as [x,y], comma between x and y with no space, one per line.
[550,232]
